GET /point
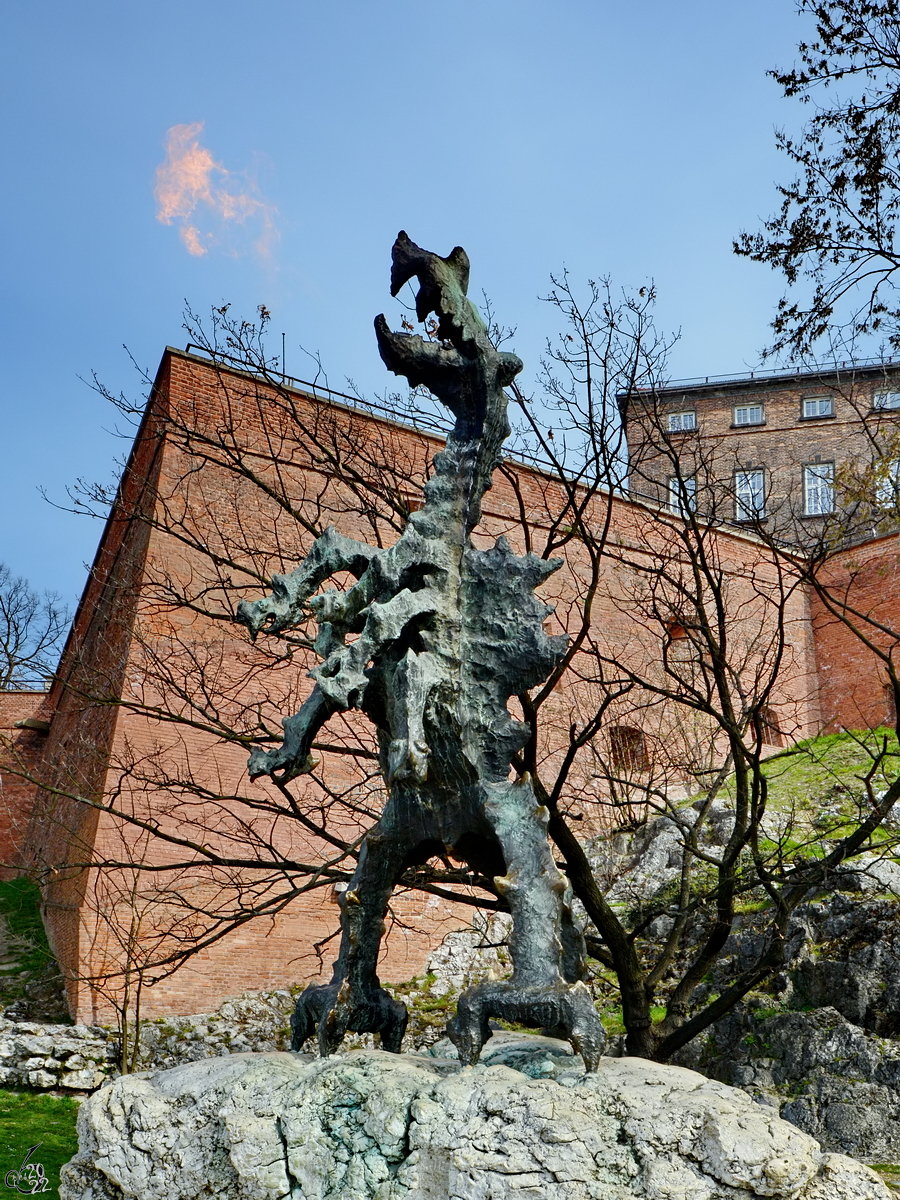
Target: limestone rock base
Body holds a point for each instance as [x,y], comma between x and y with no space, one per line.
[526,1124]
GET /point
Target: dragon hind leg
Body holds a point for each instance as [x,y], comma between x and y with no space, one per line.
[332,1009]
[354,1000]
[545,944]
[565,1008]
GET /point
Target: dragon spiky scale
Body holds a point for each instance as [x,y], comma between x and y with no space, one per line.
[503,647]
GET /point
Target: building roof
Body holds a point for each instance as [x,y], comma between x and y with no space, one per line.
[793,376]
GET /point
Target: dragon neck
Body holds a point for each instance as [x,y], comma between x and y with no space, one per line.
[462,473]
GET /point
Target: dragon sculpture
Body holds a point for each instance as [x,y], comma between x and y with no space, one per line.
[445,635]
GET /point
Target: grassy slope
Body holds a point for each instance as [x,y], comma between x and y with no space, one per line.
[20,901]
[29,977]
[829,770]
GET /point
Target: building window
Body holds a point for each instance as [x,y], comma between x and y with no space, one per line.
[767,727]
[886,400]
[749,414]
[682,495]
[677,646]
[628,749]
[818,489]
[887,485]
[749,495]
[681,422]
[818,406]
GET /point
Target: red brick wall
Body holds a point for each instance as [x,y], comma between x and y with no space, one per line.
[95,749]
[20,756]
[127,635]
[852,682]
[83,701]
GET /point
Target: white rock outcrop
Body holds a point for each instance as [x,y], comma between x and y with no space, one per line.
[525,1124]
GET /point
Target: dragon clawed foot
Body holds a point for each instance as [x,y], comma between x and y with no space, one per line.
[280,765]
[565,1009]
[293,757]
[333,1009]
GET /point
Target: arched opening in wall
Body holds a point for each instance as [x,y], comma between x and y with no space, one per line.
[768,729]
[628,748]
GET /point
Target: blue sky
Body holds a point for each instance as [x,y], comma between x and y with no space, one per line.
[633,140]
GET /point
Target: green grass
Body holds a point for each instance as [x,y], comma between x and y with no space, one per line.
[26,1118]
[30,979]
[611,1016]
[748,907]
[428,1014]
[890,1174]
[827,770]
[612,1020]
[20,908]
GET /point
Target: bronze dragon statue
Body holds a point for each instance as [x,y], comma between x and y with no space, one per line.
[445,635]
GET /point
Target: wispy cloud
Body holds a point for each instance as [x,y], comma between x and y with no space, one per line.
[213,208]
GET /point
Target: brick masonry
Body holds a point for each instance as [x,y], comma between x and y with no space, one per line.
[130,641]
[852,688]
[21,751]
[851,435]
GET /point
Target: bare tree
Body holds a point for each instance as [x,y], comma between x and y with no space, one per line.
[728,611]
[32,628]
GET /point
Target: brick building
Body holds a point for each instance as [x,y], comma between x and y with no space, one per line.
[23,728]
[784,448]
[158,694]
